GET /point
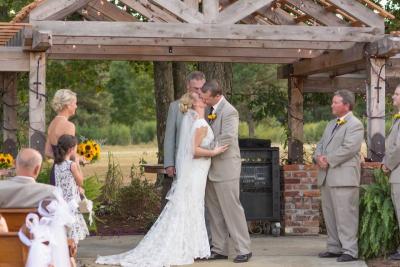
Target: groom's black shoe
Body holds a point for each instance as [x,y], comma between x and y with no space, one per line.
[216,256]
[243,258]
[328,254]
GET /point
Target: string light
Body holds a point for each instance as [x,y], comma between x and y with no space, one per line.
[84,11]
[73,46]
[101,2]
[298,50]
[98,13]
[124,8]
[99,46]
[310,52]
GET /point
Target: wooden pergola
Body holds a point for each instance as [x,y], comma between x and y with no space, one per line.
[325,45]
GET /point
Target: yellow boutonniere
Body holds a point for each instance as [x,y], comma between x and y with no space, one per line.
[341,121]
[212,117]
[396,116]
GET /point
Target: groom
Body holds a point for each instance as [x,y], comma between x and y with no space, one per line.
[226,214]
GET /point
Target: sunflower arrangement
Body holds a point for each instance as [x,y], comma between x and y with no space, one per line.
[89,149]
[6,161]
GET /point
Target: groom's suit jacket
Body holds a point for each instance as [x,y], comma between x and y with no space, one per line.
[341,147]
[227,165]
[172,131]
[392,154]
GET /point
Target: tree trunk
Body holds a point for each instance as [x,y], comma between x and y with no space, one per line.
[179,71]
[251,124]
[222,72]
[164,94]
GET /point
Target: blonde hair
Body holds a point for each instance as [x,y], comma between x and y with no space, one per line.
[186,102]
[62,98]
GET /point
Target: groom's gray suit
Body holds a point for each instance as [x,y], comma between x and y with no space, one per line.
[222,192]
[172,132]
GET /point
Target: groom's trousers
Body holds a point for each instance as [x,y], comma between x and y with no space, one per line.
[226,216]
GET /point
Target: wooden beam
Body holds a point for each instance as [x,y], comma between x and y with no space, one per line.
[388,46]
[181,51]
[181,10]
[109,11]
[295,120]
[378,8]
[360,12]
[317,12]
[152,12]
[354,83]
[37,101]
[56,9]
[278,16]
[209,31]
[210,10]
[13,59]
[42,41]
[239,10]
[375,88]
[172,58]
[200,42]
[330,61]
[192,3]
[8,84]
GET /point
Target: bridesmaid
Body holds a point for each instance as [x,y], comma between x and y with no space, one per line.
[64,104]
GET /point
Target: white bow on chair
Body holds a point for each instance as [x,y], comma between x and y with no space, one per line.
[39,253]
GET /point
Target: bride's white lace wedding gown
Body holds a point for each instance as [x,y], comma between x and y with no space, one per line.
[179,235]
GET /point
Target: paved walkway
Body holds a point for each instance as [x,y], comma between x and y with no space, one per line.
[267,252]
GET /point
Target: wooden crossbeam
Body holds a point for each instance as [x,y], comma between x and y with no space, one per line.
[41,41]
[183,51]
[56,9]
[278,16]
[327,62]
[156,41]
[210,10]
[317,12]
[209,31]
[386,47]
[171,58]
[181,10]
[360,12]
[378,8]
[13,59]
[150,11]
[239,10]
[104,10]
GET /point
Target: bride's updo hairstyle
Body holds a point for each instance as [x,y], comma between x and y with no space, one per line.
[186,102]
[62,98]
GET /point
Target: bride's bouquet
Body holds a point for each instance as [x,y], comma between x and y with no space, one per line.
[89,150]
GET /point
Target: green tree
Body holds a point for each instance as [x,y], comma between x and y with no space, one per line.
[87,79]
[258,94]
[132,87]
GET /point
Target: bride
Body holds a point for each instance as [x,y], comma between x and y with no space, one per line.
[179,235]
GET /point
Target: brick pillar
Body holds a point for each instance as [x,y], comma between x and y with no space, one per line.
[301,200]
[301,197]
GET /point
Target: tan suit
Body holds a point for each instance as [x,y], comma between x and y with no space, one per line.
[226,214]
[392,161]
[340,183]
[24,192]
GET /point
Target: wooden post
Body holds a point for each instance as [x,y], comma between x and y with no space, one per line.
[295,120]
[376,108]
[37,101]
[8,83]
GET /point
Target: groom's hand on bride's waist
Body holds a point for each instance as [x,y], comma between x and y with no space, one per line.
[170,171]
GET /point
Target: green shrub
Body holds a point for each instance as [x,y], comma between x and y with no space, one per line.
[92,188]
[143,132]
[113,182]
[118,134]
[139,201]
[313,131]
[91,132]
[44,175]
[378,229]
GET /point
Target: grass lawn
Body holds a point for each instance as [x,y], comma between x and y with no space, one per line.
[126,156]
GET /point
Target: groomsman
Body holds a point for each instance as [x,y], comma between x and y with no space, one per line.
[338,158]
[391,161]
[194,82]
